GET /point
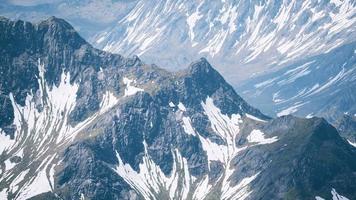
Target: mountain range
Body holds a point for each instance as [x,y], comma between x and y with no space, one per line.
[80,123]
[241,38]
[251,43]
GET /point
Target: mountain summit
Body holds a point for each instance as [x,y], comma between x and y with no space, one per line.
[80,123]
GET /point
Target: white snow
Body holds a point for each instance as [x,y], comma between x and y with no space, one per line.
[214,151]
[17,180]
[171,104]
[191,21]
[146,30]
[202,189]
[38,186]
[130,89]
[310,115]
[254,118]
[46,130]
[257,136]
[9,165]
[296,73]
[228,129]
[330,82]
[181,106]
[101,39]
[337,196]
[276,99]
[265,83]
[5,141]
[241,190]
[51,175]
[352,143]
[109,101]
[3,194]
[151,180]
[188,128]
[290,110]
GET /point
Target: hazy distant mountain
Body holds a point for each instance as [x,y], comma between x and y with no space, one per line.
[240,38]
[323,85]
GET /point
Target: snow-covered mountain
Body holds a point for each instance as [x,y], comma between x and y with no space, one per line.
[323,85]
[241,38]
[80,123]
[88,16]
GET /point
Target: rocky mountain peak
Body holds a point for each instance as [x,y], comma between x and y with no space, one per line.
[201,66]
[58,31]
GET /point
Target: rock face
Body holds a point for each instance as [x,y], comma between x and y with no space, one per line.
[347,127]
[79,123]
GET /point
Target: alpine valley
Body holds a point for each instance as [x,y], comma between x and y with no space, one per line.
[80,123]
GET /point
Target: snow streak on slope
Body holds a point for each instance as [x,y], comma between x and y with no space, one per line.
[352,143]
[256,136]
[335,196]
[323,86]
[228,129]
[230,33]
[41,134]
[152,183]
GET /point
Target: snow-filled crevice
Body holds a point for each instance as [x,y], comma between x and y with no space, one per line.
[228,128]
[40,134]
[152,183]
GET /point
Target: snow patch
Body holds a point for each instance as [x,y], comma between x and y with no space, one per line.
[5,141]
[109,100]
[202,189]
[38,186]
[241,190]
[130,89]
[181,106]
[151,180]
[310,115]
[14,184]
[191,21]
[290,110]
[265,83]
[352,143]
[187,125]
[254,118]
[171,104]
[46,130]
[3,194]
[337,196]
[257,136]
[9,165]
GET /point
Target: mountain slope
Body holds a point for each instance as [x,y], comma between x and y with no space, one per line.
[82,123]
[251,35]
[323,85]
